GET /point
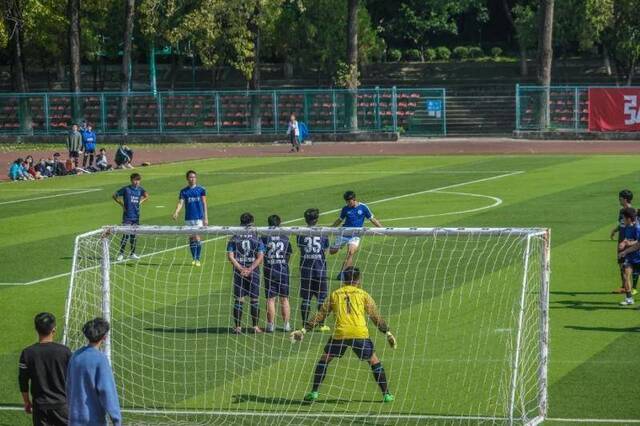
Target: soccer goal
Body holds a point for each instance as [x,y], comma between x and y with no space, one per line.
[469,308]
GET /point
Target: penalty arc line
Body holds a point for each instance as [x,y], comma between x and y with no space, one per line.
[24,200]
[383,200]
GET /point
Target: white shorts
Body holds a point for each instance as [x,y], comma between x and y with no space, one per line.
[346,240]
[193,222]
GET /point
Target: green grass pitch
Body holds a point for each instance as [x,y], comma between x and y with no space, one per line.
[593,342]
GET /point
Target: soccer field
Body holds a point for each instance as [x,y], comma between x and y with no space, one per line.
[593,342]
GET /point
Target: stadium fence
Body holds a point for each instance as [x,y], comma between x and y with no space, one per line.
[418,111]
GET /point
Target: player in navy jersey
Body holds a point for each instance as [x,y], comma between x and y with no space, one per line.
[313,268]
[246,253]
[353,214]
[631,262]
[194,200]
[130,198]
[624,198]
[276,274]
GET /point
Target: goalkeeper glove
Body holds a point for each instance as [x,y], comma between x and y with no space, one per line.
[392,340]
[297,335]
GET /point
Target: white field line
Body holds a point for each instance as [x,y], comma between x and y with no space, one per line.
[496,202]
[383,200]
[64,194]
[354,172]
[344,415]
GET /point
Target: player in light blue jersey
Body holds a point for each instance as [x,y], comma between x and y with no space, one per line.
[353,214]
[194,200]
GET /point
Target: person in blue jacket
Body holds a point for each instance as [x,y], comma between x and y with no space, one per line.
[89,145]
[91,388]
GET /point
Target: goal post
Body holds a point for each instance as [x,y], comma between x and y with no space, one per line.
[469,307]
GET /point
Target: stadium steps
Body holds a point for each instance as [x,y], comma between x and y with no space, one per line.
[480,115]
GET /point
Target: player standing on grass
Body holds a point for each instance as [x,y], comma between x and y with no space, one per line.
[624,198]
[130,198]
[246,253]
[353,215]
[313,268]
[631,262]
[194,200]
[276,275]
[351,305]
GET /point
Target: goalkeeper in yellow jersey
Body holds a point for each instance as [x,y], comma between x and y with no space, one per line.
[351,305]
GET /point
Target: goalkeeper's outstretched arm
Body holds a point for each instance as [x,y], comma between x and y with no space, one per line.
[374,314]
[323,312]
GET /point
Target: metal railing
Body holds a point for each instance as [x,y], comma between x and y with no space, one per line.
[417,111]
[554,108]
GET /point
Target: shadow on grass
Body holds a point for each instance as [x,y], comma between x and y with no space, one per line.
[609,329]
[587,306]
[576,293]
[243,398]
[185,330]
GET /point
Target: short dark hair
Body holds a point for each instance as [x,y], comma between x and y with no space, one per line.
[274,220]
[311,216]
[102,149]
[56,154]
[246,219]
[349,195]
[189,172]
[96,329]
[135,176]
[629,213]
[351,275]
[45,322]
[626,195]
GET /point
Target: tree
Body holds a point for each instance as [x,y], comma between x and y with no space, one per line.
[545,56]
[522,19]
[351,104]
[14,23]
[73,11]
[125,73]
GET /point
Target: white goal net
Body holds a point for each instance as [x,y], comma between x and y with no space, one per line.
[469,308]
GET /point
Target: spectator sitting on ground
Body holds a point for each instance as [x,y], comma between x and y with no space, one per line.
[91,388]
[102,163]
[124,157]
[57,166]
[31,169]
[44,168]
[16,172]
[43,369]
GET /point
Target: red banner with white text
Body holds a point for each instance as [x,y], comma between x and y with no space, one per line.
[614,109]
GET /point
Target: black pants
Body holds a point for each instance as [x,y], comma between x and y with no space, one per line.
[50,416]
[89,155]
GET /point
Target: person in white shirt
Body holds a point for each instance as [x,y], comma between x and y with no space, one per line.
[294,133]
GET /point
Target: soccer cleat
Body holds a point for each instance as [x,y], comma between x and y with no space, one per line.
[270,328]
[627,302]
[287,327]
[325,329]
[120,258]
[257,330]
[134,256]
[311,396]
[196,263]
[236,330]
[388,398]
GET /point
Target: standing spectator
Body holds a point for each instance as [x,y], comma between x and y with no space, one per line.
[91,388]
[102,162]
[294,133]
[57,166]
[89,145]
[74,144]
[124,157]
[43,368]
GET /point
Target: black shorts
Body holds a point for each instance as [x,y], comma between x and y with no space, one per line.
[50,416]
[311,286]
[635,267]
[363,348]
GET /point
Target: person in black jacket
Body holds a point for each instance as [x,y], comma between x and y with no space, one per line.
[124,157]
[43,370]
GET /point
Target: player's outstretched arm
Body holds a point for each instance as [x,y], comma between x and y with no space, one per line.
[178,208]
[338,222]
[374,314]
[319,317]
[376,222]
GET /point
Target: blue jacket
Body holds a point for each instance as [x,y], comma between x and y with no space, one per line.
[15,171]
[91,389]
[89,140]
